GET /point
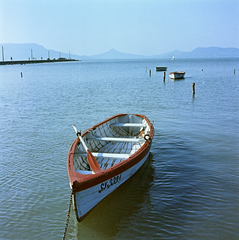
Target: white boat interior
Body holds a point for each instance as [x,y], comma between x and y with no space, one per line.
[112,142]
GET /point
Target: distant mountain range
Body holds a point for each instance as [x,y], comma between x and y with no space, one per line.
[35,51]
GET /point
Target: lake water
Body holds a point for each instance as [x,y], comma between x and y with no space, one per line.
[187,189]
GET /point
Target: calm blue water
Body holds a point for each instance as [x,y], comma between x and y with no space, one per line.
[188,189]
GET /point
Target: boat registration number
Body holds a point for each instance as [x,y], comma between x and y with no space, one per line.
[109,183]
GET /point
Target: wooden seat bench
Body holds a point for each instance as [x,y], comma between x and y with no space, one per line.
[127,125]
[91,136]
[104,155]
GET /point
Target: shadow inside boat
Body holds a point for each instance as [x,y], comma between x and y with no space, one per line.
[119,207]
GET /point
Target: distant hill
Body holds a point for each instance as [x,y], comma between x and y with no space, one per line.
[32,50]
[214,52]
[114,54]
[209,52]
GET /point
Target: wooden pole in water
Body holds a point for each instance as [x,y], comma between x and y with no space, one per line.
[193,88]
[2,54]
[234,70]
[150,73]
[21,74]
[164,75]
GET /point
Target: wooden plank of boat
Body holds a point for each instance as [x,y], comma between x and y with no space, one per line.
[91,136]
[177,75]
[105,155]
[119,146]
[158,69]
[128,125]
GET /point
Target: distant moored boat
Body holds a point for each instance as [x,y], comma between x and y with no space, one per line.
[177,75]
[158,69]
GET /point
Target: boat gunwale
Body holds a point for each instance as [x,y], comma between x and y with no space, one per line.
[81,182]
[182,72]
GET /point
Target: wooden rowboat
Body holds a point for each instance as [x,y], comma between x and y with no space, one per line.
[105,156]
[177,75]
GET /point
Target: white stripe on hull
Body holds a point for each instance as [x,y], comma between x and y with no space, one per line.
[87,199]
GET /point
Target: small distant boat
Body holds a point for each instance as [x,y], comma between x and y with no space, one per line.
[177,75]
[173,58]
[158,69]
[105,156]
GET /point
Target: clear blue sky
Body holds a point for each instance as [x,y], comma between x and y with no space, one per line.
[146,27]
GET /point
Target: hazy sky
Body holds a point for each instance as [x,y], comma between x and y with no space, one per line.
[147,27]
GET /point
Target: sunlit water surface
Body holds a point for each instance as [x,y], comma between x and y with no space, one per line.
[187,189]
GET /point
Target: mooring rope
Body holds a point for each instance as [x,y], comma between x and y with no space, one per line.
[68,215]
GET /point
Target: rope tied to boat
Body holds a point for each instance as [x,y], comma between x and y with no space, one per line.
[147,137]
[78,134]
[68,214]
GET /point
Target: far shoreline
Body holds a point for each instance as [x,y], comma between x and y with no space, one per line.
[22,62]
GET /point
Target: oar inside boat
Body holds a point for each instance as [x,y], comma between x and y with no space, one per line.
[90,158]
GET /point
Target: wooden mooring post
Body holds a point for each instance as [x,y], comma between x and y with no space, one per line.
[234,70]
[21,74]
[164,75]
[193,88]
[150,73]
